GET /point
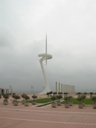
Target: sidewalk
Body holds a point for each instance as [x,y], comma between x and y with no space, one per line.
[46,117]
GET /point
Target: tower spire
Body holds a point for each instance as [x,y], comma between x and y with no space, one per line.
[46,43]
[46,48]
[44,57]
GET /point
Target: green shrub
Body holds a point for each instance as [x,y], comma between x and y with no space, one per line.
[53,98]
[54,93]
[26,97]
[85,93]
[34,97]
[65,93]
[59,93]
[13,96]
[91,93]
[66,99]
[70,97]
[93,98]
[6,96]
[83,97]
[48,93]
[59,96]
[78,93]
[16,97]
[79,99]
[23,95]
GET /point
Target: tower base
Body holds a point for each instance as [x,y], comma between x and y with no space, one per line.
[45,91]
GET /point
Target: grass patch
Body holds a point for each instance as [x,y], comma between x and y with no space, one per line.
[44,100]
[75,101]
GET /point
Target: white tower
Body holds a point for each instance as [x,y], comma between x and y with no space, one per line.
[45,57]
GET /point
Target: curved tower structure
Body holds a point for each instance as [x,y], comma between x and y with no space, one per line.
[45,57]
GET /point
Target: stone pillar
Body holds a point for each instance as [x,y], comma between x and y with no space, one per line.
[73,89]
[8,91]
[59,86]
[0,91]
[64,88]
[11,91]
[56,86]
[69,89]
[5,91]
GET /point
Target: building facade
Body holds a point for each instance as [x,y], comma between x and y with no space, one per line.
[65,88]
[6,91]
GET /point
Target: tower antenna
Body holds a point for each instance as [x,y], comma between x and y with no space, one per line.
[46,48]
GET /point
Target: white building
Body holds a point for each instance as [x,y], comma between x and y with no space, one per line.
[65,88]
[6,91]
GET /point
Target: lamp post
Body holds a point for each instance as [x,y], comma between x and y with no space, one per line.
[31,89]
[9,89]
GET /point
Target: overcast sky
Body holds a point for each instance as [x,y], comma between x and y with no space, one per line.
[71,32]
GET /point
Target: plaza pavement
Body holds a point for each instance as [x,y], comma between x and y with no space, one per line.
[46,117]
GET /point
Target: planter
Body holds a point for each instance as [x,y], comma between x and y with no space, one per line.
[15,103]
[5,102]
[80,105]
[70,103]
[54,105]
[94,105]
[66,105]
[58,103]
[23,101]
[26,103]
[78,95]
[65,95]
[83,103]
[34,102]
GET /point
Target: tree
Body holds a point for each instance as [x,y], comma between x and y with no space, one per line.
[93,98]
[16,97]
[54,93]
[6,96]
[53,98]
[26,97]
[34,97]
[59,97]
[48,94]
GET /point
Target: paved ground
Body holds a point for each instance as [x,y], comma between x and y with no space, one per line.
[46,117]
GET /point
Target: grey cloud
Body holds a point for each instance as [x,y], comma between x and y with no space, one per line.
[6,37]
[71,30]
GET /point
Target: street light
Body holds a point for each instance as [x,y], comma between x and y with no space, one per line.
[10,86]
[31,89]
[9,89]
